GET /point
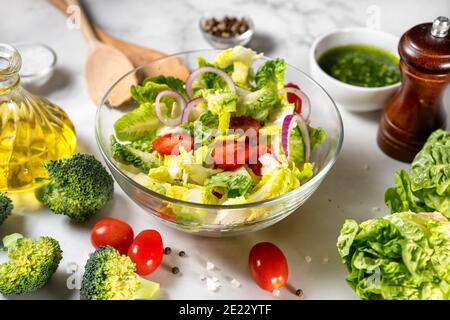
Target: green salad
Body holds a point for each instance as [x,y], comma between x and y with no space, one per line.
[228,134]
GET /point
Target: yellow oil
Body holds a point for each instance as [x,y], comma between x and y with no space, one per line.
[32,131]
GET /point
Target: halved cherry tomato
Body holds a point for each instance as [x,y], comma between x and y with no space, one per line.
[169,144]
[292,98]
[112,232]
[245,123]
[253,161]
[268,266]
[146,251]
[229,155]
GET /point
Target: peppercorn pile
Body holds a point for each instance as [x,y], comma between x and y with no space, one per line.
[227,27]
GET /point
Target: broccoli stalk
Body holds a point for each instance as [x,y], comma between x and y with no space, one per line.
[111,276]
[6,207]
[31,263]
[146,290]
[77,187]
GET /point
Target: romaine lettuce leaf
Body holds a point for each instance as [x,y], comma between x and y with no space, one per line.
[257,104]
[171,82]
[198,173]
[306,172]
[222,103]
[204,129]
[161,174]
[232,184]
[271,74]
[238,62]
[147,92]
[197,194]
[236,54]
[276,183]
[141,123]
[296,147]
[209,80]
[153,184]
[316,137]
[129,154]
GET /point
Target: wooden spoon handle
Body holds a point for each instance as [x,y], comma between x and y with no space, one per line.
[59,4]
[85,25]
[62,6]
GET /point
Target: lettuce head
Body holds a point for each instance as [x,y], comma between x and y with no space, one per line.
[427,185]
[402,256]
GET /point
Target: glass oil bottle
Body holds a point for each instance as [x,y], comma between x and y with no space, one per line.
[32,129]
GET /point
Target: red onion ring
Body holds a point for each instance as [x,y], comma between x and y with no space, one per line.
[194,74]
[187,110]
[306,103]
[171,122]
[288,123]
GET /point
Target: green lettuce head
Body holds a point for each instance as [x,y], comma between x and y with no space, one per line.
[427,185]
[402,256]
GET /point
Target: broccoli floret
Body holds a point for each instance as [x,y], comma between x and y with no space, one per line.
[6,207]
[132,154]
[31,263]
[77,187]
[109,275]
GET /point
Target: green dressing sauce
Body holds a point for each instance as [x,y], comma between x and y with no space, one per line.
[361,65]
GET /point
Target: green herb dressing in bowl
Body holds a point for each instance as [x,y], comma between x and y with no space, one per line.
[361,65]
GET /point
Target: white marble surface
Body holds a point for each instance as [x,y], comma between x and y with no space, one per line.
[354,188]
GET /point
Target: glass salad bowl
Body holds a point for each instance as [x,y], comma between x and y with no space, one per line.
[219,220]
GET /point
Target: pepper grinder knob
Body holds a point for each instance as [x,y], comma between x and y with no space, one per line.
[440,27]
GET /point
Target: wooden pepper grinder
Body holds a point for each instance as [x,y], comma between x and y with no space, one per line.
[417,109]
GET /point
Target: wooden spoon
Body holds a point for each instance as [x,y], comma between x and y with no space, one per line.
[138,55]
[104,66]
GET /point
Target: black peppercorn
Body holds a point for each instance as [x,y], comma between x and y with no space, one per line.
[227,27]
[175,270]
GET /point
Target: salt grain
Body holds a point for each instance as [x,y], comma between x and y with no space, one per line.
[375,209]
[211,285]
[276,292]
[325,260]
[235,283]
[202,277]
[308,259]
[210,266]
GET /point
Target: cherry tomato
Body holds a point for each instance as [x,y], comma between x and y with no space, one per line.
[146,251]
[169,143]
[268,266]
[112,232]
[245,123]
[229,155]
[292,98]
[260,150]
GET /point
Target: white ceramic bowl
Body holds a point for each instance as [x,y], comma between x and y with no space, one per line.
[350,97]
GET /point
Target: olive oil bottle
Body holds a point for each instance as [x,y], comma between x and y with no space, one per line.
[32,129]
